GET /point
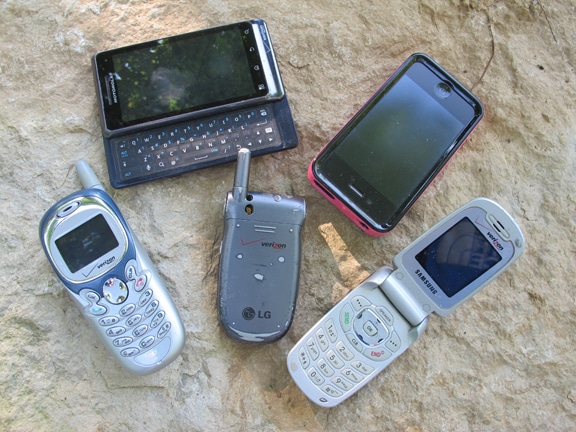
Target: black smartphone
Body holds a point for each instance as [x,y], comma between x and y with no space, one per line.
[224,66]
[382,160]
[191,101]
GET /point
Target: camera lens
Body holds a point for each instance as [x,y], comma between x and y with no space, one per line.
[442,90]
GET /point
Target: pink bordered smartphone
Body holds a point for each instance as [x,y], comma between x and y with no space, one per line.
[382,160]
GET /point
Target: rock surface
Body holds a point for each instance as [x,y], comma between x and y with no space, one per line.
[503,361]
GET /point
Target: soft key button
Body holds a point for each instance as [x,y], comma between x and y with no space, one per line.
[91,298]
[130,270]
[360,302]
[394,342]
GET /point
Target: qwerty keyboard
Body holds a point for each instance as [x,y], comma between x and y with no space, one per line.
[195,144]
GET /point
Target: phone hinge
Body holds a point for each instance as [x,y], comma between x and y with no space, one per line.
[402,300]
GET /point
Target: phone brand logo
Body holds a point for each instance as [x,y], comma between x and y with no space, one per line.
[426,282]
[108,261]
[113,91]
[495,241]
[249,314]
[274,245]
[248,243]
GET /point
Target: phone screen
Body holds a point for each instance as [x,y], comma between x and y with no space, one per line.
[180,74]
[388,153]
[86,243]
[459,256]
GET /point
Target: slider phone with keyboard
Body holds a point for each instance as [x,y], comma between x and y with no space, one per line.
[111,278]
[379,319]
[191,101]
[259,260]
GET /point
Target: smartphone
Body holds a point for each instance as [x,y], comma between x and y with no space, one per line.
[378,320]
[190,101]
[260,259]
[189,73]
[382,160]
[111,278]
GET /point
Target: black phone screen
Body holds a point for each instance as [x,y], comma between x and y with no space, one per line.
[387,154]
[86,243]
[180,74]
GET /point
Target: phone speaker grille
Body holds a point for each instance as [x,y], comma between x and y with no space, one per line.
[265,229]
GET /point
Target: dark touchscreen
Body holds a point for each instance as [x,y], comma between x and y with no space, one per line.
[180,74]
[382,160]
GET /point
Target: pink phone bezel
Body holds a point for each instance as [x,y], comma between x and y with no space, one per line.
[341,205]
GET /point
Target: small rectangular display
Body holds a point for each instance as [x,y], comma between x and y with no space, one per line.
[458,257]
[86,243]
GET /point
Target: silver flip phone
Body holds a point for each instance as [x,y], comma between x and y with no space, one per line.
[378,320]
[111,278]
[259,260]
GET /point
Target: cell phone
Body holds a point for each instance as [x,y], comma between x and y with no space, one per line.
[111,278]
[379,319]
[382,160]
[260,259]
[188,73]
[190,101]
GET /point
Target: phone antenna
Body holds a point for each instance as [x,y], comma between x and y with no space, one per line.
[87,176]
[242,175]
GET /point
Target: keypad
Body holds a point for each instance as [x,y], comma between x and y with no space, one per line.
[339,355]
[136,325]
[175,148]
